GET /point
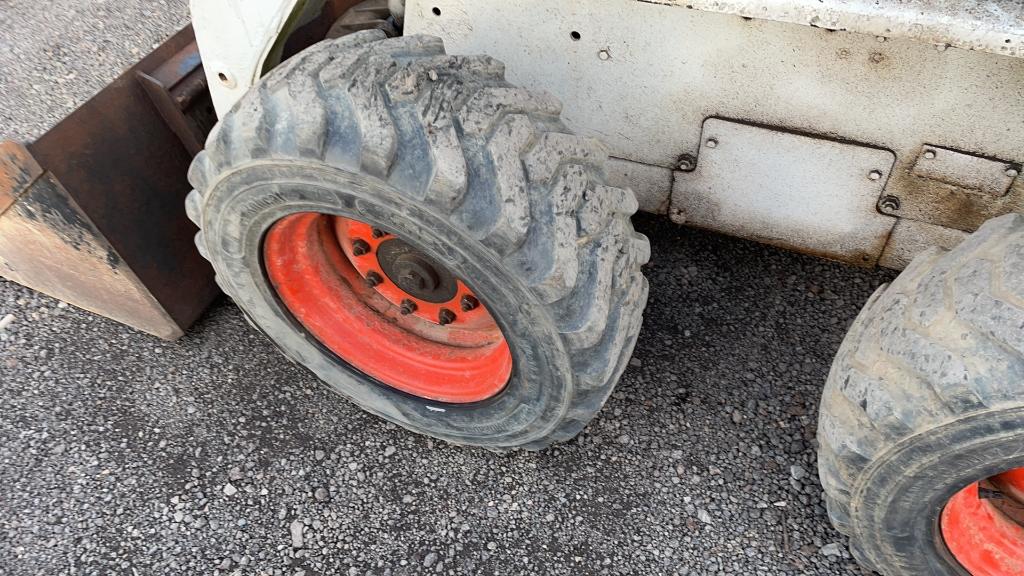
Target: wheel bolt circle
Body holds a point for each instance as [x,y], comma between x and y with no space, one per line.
[360,247]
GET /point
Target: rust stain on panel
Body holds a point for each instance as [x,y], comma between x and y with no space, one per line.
[18,170]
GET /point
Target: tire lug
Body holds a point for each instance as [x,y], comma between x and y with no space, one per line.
[378,233]
[360,247]
[408,307]
[469,302]
[373,279]
[445,317]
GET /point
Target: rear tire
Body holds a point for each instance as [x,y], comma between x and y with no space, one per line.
[481,176]
[925,398]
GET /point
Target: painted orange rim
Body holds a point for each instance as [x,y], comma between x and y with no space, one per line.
[983,525]
[386,309]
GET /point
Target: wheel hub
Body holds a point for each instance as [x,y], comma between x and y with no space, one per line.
[386,308]
[415,273]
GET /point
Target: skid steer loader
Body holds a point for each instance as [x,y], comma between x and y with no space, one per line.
[427,204]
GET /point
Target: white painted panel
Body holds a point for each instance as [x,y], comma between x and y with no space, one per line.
[643,77]
[235,37]
[788,190]
[995,26]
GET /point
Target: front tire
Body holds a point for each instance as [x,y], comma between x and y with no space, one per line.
[921,430]
[476,175]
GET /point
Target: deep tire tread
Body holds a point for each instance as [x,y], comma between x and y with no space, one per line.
[941,343]
[498,162]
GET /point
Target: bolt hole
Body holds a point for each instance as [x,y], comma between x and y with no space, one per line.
[223,77]
[576,36]
[436,11]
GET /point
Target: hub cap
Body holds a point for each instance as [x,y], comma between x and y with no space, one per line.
[387,309]
[983,525]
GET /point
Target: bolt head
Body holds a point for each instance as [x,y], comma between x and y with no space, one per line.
[889,203]
[408,307]
[360,247]
[604,55]
[445,317]
[929,154]
[1012,172]
[711,143]
[468,302]
[373,279]
[875,175]
[378,233]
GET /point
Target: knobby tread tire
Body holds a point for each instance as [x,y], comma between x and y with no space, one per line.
[934,363]
[453,137]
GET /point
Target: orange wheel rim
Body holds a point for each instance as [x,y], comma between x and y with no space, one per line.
[386,309]
[983,525]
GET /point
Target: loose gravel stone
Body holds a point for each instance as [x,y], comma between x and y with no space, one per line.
[295,529]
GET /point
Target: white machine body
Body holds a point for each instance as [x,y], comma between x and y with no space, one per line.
[840,128]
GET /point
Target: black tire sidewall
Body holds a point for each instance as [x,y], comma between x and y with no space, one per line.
[899,499]
[239,210]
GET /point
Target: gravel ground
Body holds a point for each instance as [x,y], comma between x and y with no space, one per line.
[122,454]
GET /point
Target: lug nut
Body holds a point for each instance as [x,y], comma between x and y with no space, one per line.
[408,307]
[468,303]
[373,279]
[445,317]
[378,233]
[360,247]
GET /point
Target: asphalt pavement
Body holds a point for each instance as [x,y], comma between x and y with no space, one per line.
[124,454]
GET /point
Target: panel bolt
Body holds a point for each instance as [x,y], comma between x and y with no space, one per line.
[408,307]
[875,175]
[469,302]
[373,279]
[929,154]
[711,143]
[604,55]
[445,317]
[889,203]
[360,247]
[686,163]
[378,233]
[1012,172]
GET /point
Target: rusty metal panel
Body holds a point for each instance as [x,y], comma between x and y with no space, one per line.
[789,190]
[102,222]
[127,170]
[48,243]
